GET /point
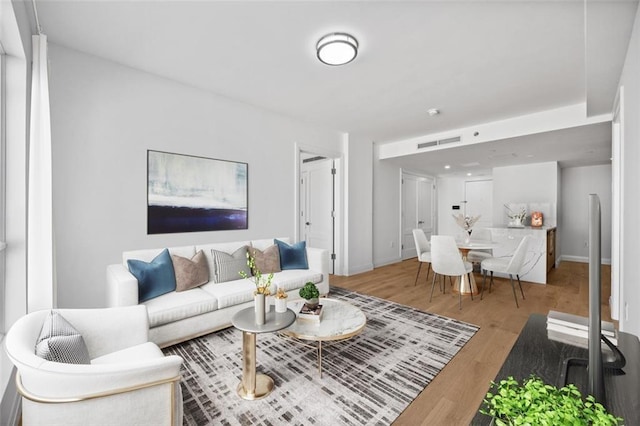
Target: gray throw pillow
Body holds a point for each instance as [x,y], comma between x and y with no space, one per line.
[228,266]
[60,342]
[190,273]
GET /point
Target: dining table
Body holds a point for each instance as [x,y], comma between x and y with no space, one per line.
[467,283]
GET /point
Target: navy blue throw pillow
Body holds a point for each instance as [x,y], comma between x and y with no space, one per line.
[293,256]
[155,278]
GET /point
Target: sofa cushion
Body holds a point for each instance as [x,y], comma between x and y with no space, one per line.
[267,242]
[295,278]
[224,247]
[141,352]
[59,341]
[149,254]
[175,306]
[293,256]
[232,292]
[154,278]
[227,266]
[267,260]
[192,272]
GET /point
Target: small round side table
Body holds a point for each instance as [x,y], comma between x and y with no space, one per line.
[255,386]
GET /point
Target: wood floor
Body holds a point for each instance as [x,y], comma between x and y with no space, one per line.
[454,396]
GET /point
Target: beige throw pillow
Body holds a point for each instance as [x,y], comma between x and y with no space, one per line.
[190,273]
[267,260]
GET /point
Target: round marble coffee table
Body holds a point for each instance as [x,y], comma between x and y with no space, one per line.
[340,321]
[256,386]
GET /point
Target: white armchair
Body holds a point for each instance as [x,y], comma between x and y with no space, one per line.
[129,380]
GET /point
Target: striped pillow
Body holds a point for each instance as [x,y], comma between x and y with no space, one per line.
[227,266]
[60,342]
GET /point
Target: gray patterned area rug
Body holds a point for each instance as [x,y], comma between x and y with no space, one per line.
[367,380]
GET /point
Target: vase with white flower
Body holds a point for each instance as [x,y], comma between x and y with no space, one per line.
[466,223]
[516,218]
[263,285]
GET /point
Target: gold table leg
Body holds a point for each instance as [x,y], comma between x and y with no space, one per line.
[320,357]
[253,386]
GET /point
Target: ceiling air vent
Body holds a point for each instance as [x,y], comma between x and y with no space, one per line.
[449,140]
[439,142]
[427,144]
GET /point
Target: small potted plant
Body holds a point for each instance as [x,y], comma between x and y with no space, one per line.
[310,293]
[535,403]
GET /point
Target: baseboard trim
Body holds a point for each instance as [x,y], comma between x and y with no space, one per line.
[582,259]
[387,261]
[360,269]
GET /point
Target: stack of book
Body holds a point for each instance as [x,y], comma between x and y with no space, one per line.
[574,329]
[311,314]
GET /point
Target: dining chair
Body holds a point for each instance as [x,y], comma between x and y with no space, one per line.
[447,261]
[477,256]
[423,249]
[506,265]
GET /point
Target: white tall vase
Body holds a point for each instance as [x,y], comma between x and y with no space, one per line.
[259,300]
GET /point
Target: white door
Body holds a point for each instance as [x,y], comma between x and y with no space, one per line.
[418,194]
[479,197]
[317,203]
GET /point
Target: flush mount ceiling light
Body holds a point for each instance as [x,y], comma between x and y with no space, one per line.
[337,49]
[433,112]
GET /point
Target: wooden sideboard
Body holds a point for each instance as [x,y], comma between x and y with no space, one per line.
[534,353]
[551,249]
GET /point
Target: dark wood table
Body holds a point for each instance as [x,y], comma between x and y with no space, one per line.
[534,353]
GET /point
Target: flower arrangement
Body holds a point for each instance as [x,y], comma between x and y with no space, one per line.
[520,216]
[466,222]
[262,283]
[281,294]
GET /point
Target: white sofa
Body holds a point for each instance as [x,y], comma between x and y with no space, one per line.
[179,316]
[129,380]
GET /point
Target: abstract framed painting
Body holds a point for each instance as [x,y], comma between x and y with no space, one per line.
[186,193]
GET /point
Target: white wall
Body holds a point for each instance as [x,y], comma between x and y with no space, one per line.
[104,119]
[530,183]
[450,192]
[359,203]
[577,184]
[386,211]
[629,288]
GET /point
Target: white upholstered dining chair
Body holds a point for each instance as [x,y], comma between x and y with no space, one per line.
[446,260]
[128,380]
[507,265]
[480,235]
[423,250]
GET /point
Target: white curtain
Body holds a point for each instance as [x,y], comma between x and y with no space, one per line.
[41,286]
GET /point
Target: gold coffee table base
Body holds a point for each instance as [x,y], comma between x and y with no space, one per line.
[264,386]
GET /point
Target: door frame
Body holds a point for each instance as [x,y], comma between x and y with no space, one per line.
[338,185]
[617,207]
[434,205]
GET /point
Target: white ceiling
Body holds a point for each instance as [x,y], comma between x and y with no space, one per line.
[572,147]
[476,61]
